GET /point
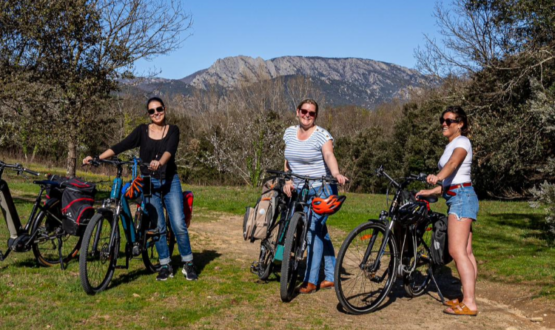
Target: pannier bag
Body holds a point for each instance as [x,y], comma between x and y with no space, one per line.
[77,204]
[259,218]
[55,192]
[188,199]
[439,248]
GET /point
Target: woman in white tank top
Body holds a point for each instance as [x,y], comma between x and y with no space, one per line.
[455,167]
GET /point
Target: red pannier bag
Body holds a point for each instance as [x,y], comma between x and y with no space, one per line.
[188,199]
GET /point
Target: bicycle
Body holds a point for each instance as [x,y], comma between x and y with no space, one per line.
[271,250]
[370,260]
[295,242]
[101,241]
[43,233]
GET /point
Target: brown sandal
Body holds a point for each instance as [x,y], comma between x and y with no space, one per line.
[451,303]
[461,309]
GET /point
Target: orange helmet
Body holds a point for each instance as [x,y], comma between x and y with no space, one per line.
[328,205]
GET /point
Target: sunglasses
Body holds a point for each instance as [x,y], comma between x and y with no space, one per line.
[304,112]
[448,121]
[159,109]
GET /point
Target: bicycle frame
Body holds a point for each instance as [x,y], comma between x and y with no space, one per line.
[121,211]
[21,238]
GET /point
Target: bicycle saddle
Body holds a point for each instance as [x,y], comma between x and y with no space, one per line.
[429,199]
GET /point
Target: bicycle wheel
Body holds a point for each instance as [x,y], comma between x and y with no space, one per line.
[360,289]
[97,259]
[48,228]
[150,254]
[417,281]
[290,263]
[266,258]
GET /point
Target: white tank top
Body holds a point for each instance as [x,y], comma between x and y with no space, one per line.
[462,173]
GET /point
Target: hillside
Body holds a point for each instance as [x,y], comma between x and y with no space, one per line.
[343,81]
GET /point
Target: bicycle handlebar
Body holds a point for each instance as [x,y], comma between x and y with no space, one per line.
[289,175]
[115,162]
[18,168]
[413,177]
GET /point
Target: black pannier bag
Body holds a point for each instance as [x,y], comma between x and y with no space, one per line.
[55,192]
[77,204]
[439,248]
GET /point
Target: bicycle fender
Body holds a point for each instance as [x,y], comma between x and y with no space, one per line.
[377,221]
[105,211]
[50,202]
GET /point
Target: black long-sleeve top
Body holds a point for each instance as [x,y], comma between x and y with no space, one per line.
[151,149]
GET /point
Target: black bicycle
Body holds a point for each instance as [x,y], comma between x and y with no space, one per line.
[271,247]
[377,252]
[101,242]
[44,232]
[294,241]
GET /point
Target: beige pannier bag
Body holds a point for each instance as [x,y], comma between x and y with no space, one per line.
[258,218]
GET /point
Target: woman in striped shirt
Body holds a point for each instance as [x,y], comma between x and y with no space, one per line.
[309,151]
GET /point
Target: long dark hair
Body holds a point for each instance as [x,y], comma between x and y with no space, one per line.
[460,115]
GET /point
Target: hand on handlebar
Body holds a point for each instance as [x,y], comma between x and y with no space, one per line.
[288,188]
[433,179]
[341,179]
[87,160]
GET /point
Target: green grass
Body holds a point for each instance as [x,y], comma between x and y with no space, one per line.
[510,245]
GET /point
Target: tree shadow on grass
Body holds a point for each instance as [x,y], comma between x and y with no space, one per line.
[528,221]
[128,277]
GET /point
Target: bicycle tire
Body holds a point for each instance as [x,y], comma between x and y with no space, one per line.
[349,276]
[290,264]
[97,259]
[416,282]
[150,254]
[266,258]
[45,244]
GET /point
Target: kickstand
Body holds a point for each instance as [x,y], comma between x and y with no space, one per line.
[60,252]
[431,273]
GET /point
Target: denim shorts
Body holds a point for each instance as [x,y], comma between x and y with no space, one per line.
[464,204]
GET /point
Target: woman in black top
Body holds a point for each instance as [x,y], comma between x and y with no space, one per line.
[158,143]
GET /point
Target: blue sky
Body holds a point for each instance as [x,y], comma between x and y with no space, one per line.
[380,30]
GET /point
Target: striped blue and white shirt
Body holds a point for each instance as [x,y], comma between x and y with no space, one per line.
[305,157]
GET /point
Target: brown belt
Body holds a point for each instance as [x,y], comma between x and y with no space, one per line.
[457,186]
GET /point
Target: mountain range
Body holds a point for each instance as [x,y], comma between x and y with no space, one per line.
[343,81]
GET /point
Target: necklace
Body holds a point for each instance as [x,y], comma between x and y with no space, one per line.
[158,143]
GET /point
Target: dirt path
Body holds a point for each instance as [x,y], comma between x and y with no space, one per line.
[501,306]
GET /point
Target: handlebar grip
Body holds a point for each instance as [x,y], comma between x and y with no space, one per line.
[31,172]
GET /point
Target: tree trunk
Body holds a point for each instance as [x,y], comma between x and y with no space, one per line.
[71,156]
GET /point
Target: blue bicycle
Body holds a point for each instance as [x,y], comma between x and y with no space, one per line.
[100,248]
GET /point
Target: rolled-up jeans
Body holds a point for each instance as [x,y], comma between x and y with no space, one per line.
[319,241]
[170,192]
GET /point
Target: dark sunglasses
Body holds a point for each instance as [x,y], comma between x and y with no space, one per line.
[448,121]
[304,112]
[159,109]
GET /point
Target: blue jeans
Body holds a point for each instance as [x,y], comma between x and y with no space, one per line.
[170,191]
[319,241]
